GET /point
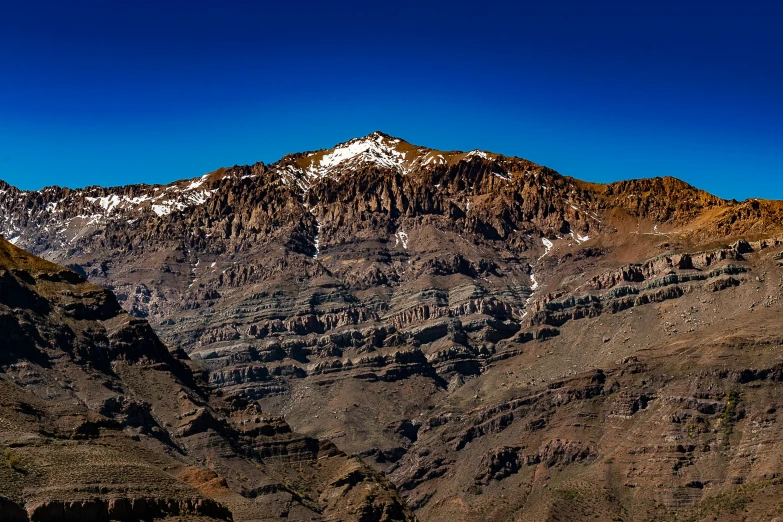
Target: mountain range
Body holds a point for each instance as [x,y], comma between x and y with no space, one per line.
[382,331]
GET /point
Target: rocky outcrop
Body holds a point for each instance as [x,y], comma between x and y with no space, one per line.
[500,463]
[125,509]
[638,285]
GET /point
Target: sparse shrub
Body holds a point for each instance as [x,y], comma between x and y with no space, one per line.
[568,494]
[13,460]
[732,413]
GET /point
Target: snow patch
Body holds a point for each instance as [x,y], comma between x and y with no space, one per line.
[533,287]
[199,198]
[196,184]
[178,199]
[403,238]
[579,238]
[534,282]
[435,159]
[161,210]
[587,213]
[547,246]
[317,239]
[655,232]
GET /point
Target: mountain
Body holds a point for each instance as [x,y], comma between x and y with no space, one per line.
[499,340]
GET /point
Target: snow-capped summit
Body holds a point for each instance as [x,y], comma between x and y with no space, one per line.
[381,150]
[376,148]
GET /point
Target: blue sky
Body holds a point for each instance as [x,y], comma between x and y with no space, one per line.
[111,93]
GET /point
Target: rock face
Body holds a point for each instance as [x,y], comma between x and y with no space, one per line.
[501,341]
[101,422]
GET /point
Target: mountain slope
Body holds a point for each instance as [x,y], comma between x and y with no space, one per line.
[100,421]
[392,299]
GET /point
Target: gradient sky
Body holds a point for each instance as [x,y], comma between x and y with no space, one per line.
[104,92]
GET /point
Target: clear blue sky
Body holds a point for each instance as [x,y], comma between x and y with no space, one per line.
[102,92]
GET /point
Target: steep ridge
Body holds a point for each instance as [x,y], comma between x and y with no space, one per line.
[377,293]
[100,421]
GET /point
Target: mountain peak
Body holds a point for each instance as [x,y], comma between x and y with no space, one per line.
[384,151]
[376,148]
[382,134]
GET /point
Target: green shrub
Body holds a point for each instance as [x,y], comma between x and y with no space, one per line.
[14,462]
